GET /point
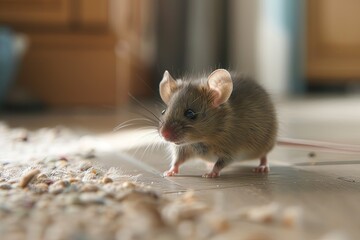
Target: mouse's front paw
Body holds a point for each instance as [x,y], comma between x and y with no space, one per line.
[171,172]
[262,169]
[210,175]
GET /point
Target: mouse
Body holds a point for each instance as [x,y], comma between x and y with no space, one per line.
[221,118]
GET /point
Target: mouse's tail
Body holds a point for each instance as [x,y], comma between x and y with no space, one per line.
[319,145]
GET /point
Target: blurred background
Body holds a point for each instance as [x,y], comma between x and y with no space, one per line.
[74,63]
[92,53]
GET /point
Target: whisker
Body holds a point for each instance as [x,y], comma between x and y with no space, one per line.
[131,122]
[123,126]
[142,105]
[143,137]
[147,127]
[155,121]
[145,83]
[155,92]
[150,144]
[137,112]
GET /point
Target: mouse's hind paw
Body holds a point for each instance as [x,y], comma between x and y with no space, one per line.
[211,175]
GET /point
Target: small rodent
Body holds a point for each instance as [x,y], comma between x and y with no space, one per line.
[222,118]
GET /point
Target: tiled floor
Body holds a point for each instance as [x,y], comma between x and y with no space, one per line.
[326,186]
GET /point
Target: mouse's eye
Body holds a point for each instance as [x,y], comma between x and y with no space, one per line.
[163,112]
[190,114]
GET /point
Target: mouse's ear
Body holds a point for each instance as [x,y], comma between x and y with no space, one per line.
[167,87]
[220,82]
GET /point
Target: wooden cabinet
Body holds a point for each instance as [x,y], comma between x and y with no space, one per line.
[66,14]
[333,40]
[82,52]
[76,69]
[35,13]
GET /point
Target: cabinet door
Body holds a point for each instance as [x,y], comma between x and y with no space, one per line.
[333,40]
[92,14]
[36,12]
[54,14]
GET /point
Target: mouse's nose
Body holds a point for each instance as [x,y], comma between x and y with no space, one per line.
[167,134]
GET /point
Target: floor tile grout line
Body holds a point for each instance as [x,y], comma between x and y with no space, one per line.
[105,147]
[146,167]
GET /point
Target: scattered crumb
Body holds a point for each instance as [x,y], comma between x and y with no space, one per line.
[129,185]
[22,135]
[28,177]
[217,222]
[73,180]
[292,217]
[41,176]
[89,188]
[106,180]
[40,188]
[189,196]
[5,186]
[85,166]
[64,158]
[265,214]
[273,213]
